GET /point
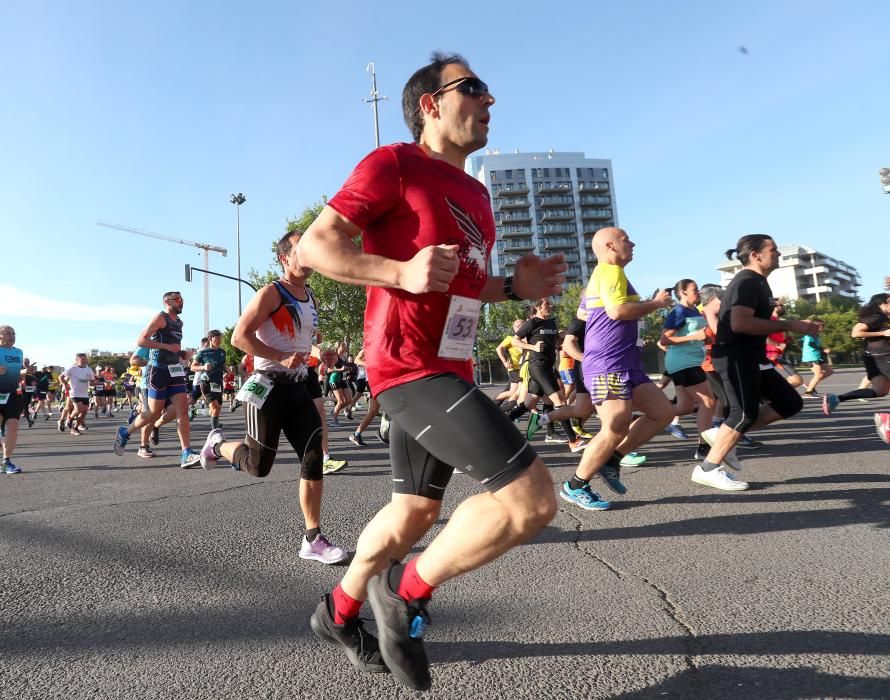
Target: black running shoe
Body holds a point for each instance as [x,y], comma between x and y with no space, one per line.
[155,438]
[359,645]
[400,627]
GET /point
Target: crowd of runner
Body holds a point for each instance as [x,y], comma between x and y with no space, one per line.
[427,231]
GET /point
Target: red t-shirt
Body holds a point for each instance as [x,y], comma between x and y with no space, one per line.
[404,200]
[772,341]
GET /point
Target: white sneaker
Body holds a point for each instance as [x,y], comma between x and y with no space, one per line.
[718,479]
[730,460]
[321,549]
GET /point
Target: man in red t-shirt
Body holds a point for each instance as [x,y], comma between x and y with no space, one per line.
[427,231]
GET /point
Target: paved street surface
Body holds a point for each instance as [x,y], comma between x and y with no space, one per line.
[131,578]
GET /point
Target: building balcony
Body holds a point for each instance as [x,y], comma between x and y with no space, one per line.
[596,214]
[511,203]
[558,215]
[516,217]
[556,201]
[513,231]
[509,189]
[595,187]
[559,243]
[518,244]
[557,228]
[542,188]
[815,270]
[595,199]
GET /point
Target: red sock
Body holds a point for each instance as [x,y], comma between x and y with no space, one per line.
[345,606]
[412,587]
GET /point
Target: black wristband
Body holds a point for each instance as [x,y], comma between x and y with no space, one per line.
[508,289]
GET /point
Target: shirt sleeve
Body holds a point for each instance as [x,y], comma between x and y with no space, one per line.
[613,286]
[576,328]
[674,319]
[525,330]
[748,293]
[373,189]
[507,342]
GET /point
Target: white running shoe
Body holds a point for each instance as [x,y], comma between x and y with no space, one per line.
[208,456]
[321,549]
[730,460]
[719,479]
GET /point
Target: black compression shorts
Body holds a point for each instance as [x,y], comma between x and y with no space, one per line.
[208,393]
[313,386]
[441,422]
[746,385]
[541,379]
[12,409]
[877,364]
[580,386]
[690,376]
[288,408]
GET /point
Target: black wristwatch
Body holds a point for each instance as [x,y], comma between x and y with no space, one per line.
[508,289]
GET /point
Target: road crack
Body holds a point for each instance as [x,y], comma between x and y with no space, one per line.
[673,610]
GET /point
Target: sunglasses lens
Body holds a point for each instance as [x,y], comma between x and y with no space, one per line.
[473,87]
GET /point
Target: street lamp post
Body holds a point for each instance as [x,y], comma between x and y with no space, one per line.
[238,200]
[374,99]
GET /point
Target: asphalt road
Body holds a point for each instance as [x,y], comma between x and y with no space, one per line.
[130,578]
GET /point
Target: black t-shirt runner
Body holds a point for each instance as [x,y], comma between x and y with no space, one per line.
[749,289]
[876,323]
[537,329]
[577,328]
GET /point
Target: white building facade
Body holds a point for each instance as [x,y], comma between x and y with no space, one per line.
[804,273]
[546,203]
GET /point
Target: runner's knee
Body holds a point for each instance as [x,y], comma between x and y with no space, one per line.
[256,461]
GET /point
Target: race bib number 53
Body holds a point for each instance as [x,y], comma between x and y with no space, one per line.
[459,332]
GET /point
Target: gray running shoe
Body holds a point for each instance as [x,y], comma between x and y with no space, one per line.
[400,628]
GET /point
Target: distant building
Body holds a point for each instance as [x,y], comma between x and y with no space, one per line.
[546,203]
[804,273]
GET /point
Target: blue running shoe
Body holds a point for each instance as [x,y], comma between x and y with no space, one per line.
[612,476]
[829,403]
[131,417]
[10,468]
[190,458]
[534,424]
[583,497]
[677,431]
[121,438]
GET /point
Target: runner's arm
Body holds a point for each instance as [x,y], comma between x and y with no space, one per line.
[258,309]
[327,247]
[572,349]
[860,330]
[145,340]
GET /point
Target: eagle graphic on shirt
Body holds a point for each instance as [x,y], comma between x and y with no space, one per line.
[472,250]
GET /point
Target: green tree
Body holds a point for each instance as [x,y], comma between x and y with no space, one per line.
[233,354]
[567,308]
[341,306]
[495,322]
[839,314]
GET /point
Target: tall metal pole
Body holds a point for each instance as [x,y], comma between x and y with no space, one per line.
[206,294]
[238,200]
[375,98]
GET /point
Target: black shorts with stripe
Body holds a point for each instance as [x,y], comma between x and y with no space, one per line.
[441,422]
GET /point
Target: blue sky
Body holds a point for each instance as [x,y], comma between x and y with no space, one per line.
[152,114]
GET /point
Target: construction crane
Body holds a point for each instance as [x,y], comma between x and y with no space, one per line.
[206,248]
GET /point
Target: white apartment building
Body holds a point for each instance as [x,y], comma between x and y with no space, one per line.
[804,273]
[546,203]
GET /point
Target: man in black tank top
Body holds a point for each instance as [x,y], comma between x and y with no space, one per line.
[166,384]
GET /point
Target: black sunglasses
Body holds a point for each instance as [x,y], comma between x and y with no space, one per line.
[471,87]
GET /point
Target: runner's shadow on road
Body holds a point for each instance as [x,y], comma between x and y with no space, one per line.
[867,508]
[728,682]
[776,643]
